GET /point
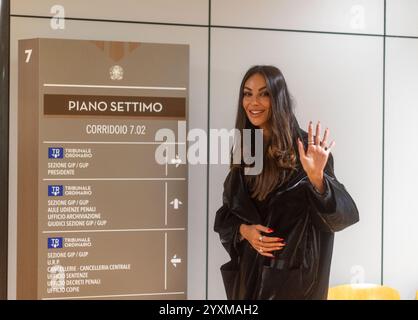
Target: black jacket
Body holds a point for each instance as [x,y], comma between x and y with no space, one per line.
[306,220]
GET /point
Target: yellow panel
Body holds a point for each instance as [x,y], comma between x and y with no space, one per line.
[363,292]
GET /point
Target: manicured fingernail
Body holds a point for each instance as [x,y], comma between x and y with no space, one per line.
[280,239]
[269,230]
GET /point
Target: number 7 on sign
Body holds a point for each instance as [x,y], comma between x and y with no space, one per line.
[28,55]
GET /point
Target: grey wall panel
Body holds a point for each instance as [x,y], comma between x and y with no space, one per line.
[4,141]
[401,17]
[167,11]
[354,16]
[197,38]
[401,151]
[333,78]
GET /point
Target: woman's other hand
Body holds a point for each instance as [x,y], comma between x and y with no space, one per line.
[263,244]
[316,156]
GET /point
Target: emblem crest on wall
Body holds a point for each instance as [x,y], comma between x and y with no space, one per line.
[116,72]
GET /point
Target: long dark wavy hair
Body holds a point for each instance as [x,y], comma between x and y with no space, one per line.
[280,150]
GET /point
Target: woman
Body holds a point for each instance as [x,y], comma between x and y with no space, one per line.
[278,226]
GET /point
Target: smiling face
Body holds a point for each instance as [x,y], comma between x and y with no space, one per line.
[256,101]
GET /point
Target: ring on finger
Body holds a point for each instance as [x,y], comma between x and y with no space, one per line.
[260,238]
[261,249]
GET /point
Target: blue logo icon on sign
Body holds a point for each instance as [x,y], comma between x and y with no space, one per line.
[55,191]
[54,243]
[55,153]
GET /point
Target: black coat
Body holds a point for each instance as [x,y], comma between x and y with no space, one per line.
[306,220]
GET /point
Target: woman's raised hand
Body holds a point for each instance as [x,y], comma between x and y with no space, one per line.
[315,157]
[263,244]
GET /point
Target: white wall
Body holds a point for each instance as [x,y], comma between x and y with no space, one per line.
[401,151]
[333,78]
[333,55]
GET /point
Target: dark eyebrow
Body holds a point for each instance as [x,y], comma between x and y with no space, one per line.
[258,89]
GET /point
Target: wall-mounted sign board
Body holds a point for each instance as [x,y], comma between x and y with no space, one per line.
[98,215]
